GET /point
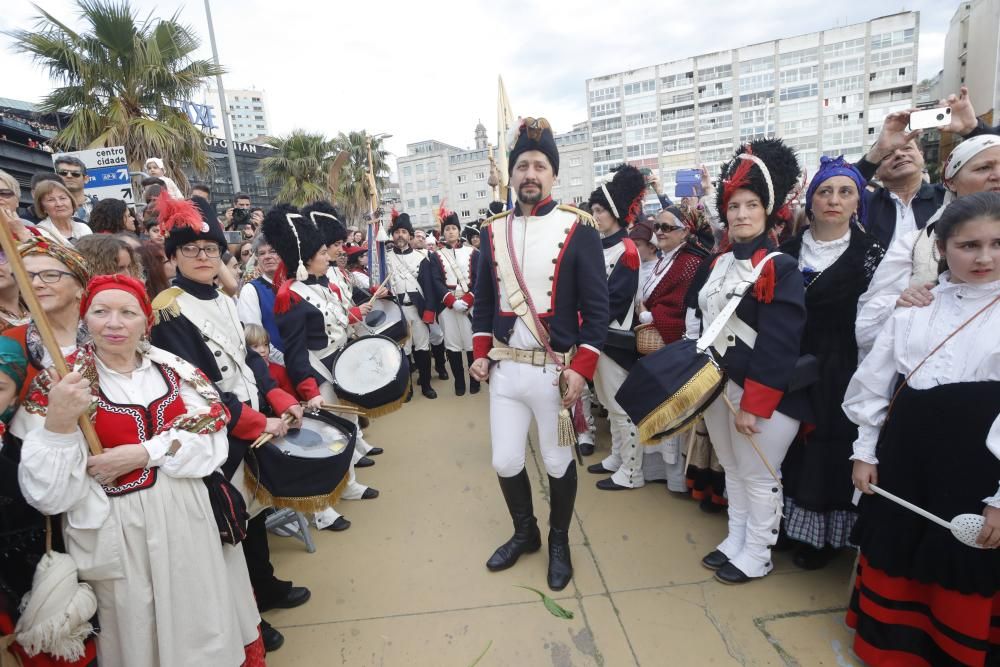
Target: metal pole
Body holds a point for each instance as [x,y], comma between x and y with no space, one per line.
[230,150]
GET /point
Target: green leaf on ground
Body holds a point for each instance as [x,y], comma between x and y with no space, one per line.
[482,654]
[554,608]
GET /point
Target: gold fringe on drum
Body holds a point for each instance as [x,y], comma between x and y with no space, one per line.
[683,402]
[303,504]
[381,410]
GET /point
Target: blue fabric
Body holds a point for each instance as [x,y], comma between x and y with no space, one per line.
[830,167]
[265,295]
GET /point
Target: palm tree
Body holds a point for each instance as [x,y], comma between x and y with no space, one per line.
[121,79]
[355,194]
[300,167]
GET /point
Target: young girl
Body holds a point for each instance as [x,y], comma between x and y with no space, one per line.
[921,596]
[260,342]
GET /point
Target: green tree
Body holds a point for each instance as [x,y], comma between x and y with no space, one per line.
[354,194]
[300,167]
[121,78]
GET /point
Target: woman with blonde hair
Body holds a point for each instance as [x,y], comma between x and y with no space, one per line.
[55,202]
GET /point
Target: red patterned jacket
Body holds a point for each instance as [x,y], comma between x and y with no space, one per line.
[666,302]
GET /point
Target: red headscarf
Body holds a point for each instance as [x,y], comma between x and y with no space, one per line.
[128,284]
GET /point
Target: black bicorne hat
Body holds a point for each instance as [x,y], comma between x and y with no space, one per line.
[766,167]
[327,219]
[534,134]
[293,237]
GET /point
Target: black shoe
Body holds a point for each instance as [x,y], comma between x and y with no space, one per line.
[374,451]
[562,498]
[730,574]
[273,640]
[809,557]
[784,543]
[428,392]
[340,524]
[460,392]
[527,539]
[599,469]
[715,560]
[369,494]
[586,449]
[610,485]
[708,507]
[409,395]
[296,597]
[442,373]
[440,365]
[364,462]
[363,421]
[458,370]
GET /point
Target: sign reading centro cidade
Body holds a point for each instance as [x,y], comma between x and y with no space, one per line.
[107,172]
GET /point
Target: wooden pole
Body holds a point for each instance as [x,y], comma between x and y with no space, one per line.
[753,442]
[40,319]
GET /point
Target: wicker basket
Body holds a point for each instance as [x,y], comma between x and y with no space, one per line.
[647,339]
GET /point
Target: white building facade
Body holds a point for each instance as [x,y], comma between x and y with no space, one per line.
[972,55]
[825,93]
[247,113]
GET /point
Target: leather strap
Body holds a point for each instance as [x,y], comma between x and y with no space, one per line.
[719,323]
[517,297]
[458,274]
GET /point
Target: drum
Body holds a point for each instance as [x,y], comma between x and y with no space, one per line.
[667,391]
[394,325]
[373,374]
[307,469]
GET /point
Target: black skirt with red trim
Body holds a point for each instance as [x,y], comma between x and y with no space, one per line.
[921,596]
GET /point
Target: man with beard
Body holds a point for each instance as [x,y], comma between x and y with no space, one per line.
[408,283]
[256,301]
[539,324]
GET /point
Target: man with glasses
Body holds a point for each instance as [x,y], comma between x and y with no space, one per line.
[73,173]
[256,300]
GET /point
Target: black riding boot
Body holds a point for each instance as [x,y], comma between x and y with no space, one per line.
[455,361]
[440,365]
[563,496]
[473,384]
[423,359]
[527,539]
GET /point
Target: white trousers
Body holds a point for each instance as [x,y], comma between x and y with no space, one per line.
[587,438]
[435,334]
[626,452]
[419,335]
[354,488]
[755,498]
[519,392]
[457,327]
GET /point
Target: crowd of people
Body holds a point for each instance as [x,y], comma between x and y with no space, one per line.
[853,318]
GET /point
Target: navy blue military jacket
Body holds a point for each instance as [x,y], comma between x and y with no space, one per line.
[562,261]
[621,264]
[443,282]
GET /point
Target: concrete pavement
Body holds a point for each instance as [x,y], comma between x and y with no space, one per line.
[406,585]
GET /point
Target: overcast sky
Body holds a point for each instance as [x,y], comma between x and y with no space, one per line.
[429,70]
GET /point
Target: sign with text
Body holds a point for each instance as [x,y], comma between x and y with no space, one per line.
[107,172]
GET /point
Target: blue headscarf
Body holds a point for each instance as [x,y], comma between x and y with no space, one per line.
[837,166]
[14,365]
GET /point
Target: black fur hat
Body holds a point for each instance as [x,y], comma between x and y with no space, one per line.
[327,219]
[448,218]
[471,230]
[496,207]
[293,237]
[626,189]
[400,221]
[534,134]
[745,174]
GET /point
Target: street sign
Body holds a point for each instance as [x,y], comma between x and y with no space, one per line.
[107,172]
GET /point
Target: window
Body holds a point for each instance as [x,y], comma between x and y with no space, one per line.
[640,87]
[797,57]
[409,187]
[605,109]
[483,211]
[462,178]
[575,161]
[433,183]
[407,170]
[420,168]
[480,176]
[463,196]
[421,184]
[480,194]
[796,92]
[465,214]
[423,201]
[576,181]
[849,48]
[604,94]
[435,199]
[432,167]
[677,80]
[607,124]
[888,39]
[757,65]
[718,72]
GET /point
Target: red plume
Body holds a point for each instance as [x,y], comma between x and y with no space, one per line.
[442,212]
[174,213]
[285,297]
[630,258]
[738,179]
[763,289]
[635,209]
[394,214]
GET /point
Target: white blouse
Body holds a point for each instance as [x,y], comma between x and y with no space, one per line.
[972,355]
[53,470]
[820,255]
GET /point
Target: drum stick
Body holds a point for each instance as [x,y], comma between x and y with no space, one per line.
[266,437]
[690,447]
[350,409]
[388,274]
[753,441]
[41,320]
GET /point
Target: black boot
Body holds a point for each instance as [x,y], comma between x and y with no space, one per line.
[423,359]
[527,539]
[473,384]
[563,496]
[455,361]
[439,363]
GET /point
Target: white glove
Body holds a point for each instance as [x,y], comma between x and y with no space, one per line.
[460,306]
[645,317]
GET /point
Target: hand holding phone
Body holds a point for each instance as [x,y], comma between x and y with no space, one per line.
[922,120]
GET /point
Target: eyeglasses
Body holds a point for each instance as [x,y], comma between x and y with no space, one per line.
[662,227]
[67,172]
[191,250]
[6,193]
[48,277]
[3,257]
[245,253]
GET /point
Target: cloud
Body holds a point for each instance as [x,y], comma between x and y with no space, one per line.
[429,70]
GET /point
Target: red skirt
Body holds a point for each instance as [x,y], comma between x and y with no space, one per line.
[904,623]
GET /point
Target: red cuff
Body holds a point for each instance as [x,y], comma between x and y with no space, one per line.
[585,362]
[468,298]
[373,289]
[250,425]
[760,400]
[449,300]
[307,389]
[481,346]
[280,400]
[354,315]
[428,317]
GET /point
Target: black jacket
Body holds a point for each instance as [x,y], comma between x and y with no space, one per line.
[881,223]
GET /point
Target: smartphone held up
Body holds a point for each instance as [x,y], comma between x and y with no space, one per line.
[928,118]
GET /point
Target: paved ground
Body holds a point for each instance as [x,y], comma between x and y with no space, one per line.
[407,585]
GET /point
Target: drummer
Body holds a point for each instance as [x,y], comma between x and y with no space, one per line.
[314,315]
[195,321]
[453,278]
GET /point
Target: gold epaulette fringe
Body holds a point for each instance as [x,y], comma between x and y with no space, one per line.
[165,306]
[307,504]
[682,402]
[489,220]
[585,218]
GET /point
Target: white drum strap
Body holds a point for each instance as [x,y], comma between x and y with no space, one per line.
[719,323]
[459,276]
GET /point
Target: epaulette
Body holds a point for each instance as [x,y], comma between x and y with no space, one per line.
[165,306]
[486,223]
[584,217]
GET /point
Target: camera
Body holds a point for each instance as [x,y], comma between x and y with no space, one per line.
[241,216]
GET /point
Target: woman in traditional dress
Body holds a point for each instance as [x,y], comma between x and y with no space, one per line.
[139,523]
[922,597]
[12,312]
[759,350]
[837,259]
